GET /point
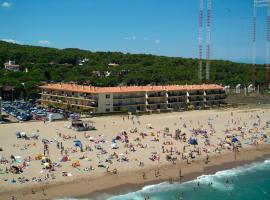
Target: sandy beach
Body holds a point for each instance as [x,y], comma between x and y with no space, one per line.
[127,152]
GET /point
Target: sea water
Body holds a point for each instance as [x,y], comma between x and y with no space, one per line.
[249,182]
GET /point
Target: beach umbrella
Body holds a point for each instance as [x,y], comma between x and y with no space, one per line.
[234,140]
[192,141]
[114,146]
[18,159]
[92,139]
[77,143]
[46,164]
[148,126]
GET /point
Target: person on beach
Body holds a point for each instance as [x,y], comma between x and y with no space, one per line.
[171,180]
[180,175]
[207,159]
[171,149]
[43,192]
[144,175]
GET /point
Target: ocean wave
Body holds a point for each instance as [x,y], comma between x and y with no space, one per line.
[218,180]
[223,181]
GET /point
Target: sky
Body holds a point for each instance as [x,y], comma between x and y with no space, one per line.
[160,27]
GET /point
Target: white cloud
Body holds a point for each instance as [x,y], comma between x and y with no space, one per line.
[157,41]
[145,38]
[131,38]
[10,41]
[44,42]
[6,5]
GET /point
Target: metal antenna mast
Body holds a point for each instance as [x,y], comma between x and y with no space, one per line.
[254,43]
[208,50]
[267,81]
[261,3]
[200,40]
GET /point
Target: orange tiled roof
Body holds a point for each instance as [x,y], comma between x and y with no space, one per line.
[126,89]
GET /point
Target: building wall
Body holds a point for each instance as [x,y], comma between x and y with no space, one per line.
[12,67]
[105,103]
[130,101]
[135,101]
[66,100]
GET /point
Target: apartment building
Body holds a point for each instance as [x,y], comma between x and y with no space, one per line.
[131,98]
[11,66]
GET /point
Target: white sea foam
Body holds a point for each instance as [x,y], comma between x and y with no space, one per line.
[218,181]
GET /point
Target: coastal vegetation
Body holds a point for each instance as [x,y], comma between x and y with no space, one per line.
[85,67]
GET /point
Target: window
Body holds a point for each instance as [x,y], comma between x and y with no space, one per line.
[107,96]
[108,110]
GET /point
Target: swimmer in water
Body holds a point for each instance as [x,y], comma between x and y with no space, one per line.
[182,196]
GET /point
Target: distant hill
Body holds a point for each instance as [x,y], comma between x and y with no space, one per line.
[50,64]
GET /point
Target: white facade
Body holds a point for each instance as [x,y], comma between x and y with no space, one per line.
[11,66]
[105,103]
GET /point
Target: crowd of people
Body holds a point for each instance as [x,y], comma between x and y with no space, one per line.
[64,155]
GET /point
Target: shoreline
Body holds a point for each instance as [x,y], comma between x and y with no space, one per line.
[129,181]
[206,170]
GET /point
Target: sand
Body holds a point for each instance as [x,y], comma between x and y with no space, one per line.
[129,174]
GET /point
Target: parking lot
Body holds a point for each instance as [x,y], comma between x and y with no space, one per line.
[26,111]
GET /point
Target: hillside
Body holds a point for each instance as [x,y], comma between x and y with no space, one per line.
[50,64]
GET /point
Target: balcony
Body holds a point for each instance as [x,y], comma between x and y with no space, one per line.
[129,104]
[129,97]
[213,99]
[195,99]
[177,102]
[177,95]
[67,103]
[213,92]
[156,102]
[88,98]
[196,94]
[157,96]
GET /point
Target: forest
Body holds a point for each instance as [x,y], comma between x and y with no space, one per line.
[45,64]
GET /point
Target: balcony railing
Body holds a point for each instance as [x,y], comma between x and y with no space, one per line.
[70,97]
[129,97]
[197,99]
[196,94]
[66,103]
[177,102]
[129,104]
[156,102]
[157,96]
[177,95]
[215,92]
